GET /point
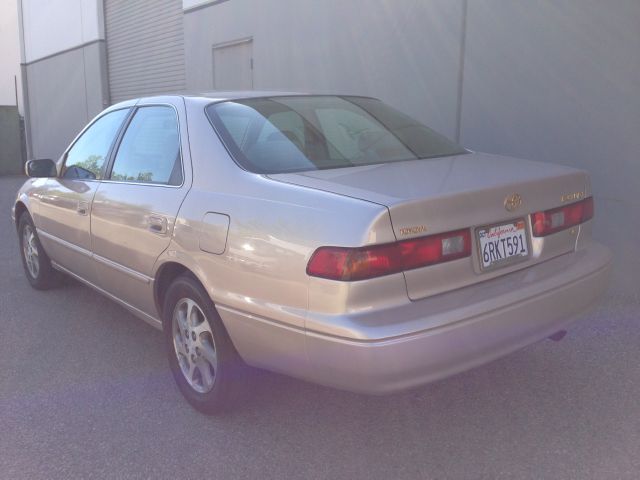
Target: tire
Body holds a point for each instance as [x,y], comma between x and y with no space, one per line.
[204,363]
[35,261]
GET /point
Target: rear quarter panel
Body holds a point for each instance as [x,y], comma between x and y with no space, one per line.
[270,239]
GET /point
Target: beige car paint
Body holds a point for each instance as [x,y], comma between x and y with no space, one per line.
[373,336]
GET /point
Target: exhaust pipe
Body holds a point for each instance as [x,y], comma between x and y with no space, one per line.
[556,337]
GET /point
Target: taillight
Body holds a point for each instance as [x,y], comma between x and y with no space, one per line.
[350,264]
[340,263]
[558,219]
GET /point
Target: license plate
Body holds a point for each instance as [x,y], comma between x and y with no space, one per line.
[502,244]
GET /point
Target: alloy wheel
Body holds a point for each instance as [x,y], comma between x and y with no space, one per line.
[30,251]
[194,345]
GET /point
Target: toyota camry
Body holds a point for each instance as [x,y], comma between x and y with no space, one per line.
[331,238]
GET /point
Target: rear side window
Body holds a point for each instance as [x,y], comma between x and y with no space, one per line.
[86,158]
[150,148]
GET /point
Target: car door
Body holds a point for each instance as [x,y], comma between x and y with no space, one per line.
[135,206]
[63,204]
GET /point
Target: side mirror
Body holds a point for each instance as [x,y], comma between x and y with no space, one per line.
[41,168]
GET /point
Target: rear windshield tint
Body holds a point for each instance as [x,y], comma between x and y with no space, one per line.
[298,133]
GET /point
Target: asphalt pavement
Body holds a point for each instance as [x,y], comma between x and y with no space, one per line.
[85,392]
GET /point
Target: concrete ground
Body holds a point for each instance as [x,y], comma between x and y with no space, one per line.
[85,392]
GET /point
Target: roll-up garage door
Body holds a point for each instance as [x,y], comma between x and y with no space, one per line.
[145,47]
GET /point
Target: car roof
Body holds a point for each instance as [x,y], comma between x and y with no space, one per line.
[241,94]
[220,96]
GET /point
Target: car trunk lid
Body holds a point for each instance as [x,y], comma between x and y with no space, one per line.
[438,195]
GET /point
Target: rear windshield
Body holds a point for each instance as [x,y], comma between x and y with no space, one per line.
[298,133]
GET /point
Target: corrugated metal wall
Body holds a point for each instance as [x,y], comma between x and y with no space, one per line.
[145,47]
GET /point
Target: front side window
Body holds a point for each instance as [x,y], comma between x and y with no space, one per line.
[85,160]
[150,148]
[288,134]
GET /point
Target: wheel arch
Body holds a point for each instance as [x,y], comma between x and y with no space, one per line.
[165,275]
[19,209]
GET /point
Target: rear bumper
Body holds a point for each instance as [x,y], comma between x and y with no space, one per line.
[459,330]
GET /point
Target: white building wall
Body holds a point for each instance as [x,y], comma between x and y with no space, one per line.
[406,52]
[64,68]
[559,81]
[9,54]
[53,26]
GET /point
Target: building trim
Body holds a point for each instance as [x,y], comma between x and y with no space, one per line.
[233,43]
[62,52]
[463,53]
[207,4]
[26,110]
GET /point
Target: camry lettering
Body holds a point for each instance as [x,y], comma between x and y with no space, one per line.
[572,197]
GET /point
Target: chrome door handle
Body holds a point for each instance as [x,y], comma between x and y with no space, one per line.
[158,225]
[83,208]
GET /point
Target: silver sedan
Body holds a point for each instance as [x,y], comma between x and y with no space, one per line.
[331,238]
